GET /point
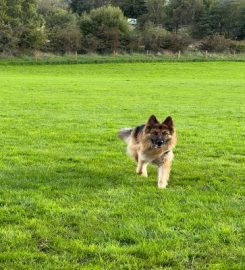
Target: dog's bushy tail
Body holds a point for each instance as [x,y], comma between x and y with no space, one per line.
[124,134]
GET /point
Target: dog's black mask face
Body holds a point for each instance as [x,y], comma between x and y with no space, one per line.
[159,133]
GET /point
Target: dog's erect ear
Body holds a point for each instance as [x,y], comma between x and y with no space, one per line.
[152,121]
[169,122]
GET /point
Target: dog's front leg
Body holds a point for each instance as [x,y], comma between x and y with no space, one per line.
[142,168]
[164,171]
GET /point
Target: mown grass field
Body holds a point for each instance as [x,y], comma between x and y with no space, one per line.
[69,196]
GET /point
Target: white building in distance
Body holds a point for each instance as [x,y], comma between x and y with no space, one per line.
[132,22]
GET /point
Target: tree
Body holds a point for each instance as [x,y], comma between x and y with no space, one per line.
[182,13]
[3,12]
[62,27]
[66,40]
[156,12]
[231,18]
[226,18]
[80,6]
[131,8]
[239,29]
[106,27]
[21,27]
[216,43]
[8,41]
[157,39]
[154,38]
[201,25]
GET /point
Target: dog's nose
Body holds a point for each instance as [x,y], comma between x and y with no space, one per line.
[160,143]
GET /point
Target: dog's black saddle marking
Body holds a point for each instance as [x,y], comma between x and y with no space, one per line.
[137,131]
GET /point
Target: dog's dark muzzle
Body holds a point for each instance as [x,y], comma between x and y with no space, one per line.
[158,143]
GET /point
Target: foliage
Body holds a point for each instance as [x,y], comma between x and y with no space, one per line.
[157,39]
[156,12]
[238,46]
[131,8]
[216,43]
[132,57]
[181,13]
[65,40]
[179,42]
[21,27]
[8,41]
[81,6]
[220,17]
[106,27]
[27,26]
[62,27]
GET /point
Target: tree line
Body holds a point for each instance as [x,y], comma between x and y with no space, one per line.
[83,26]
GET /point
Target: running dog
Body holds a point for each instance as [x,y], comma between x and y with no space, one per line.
[152,143]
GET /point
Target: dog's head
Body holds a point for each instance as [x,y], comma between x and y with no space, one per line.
[159,134]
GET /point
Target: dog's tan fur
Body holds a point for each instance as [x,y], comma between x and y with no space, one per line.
[141,148]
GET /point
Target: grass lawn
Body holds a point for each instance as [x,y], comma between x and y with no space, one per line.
[69,196]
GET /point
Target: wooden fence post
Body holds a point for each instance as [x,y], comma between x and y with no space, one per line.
[36,55]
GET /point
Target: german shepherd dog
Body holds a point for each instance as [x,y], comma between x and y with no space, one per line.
[152,143]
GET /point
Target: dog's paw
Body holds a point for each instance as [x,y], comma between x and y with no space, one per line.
[162,185]
[142,174]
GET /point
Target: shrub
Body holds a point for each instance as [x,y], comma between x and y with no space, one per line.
[157,39]
[8,41]
[180,42]
[106,26]
[66,40]
[238,46]
[216,43]
[133,42]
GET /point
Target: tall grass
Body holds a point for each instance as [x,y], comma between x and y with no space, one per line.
[50,59]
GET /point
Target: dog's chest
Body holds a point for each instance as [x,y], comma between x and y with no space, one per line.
[155,158]
[160,161]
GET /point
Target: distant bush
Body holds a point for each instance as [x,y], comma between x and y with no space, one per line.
[63,32]
[216,43]
[238,46]
[133,42]
[66,40]
[21,27]
[157,39]
[104,28]
[8,41]
[179,42]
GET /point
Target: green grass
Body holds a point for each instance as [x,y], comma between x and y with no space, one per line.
[70,198]
[51,59]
